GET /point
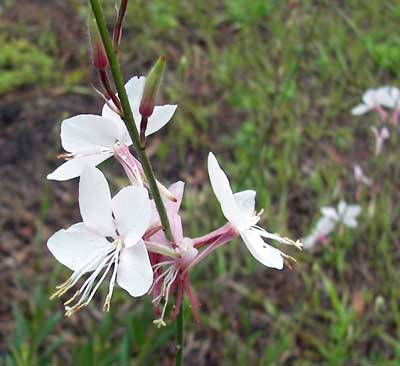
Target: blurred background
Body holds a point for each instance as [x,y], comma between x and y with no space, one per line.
[266,85]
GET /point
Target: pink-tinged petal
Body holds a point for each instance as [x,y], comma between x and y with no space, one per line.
[263,252]
[160,117]
[76,246]
[222,189]
[95,202]
[135,274]
[132,211]
[246,200]
[176,227]
[87,133]
[177,190]
[73,168]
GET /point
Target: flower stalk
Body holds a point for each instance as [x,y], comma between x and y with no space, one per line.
[118,25]
[128,116]
[140,148]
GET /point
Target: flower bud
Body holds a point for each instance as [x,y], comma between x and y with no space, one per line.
[151,88]
[100,60]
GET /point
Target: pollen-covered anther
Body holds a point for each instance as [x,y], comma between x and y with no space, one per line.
[159,323]
[298,244]
[66,156]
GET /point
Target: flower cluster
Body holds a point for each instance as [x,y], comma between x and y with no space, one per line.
[122,237]
[379,100]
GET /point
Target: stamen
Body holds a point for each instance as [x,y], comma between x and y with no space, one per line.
[88,285]
[165,292]
[277,237]
[106,306]
[103,260]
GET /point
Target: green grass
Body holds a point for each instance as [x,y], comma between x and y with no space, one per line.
[269,90]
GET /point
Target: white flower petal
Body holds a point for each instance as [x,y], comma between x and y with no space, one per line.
[370,97]
[222,189]
[360,109]
[74,167]
[324,227]
[132,211]
[135,274]
[246,201]
[341,208]
[134,88]
[95,202]
[263,252]
[161,114]
[330,212]
[309,241]
[160,117]
[87,133]
[350,215]
[76,246]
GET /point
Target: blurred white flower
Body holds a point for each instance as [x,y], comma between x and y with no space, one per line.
[90,139]
[380,137]
[110,235]
[344,214]
[371,99]
[390,97]
[239,209]
[360,176]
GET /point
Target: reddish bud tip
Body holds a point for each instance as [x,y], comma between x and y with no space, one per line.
[100,60]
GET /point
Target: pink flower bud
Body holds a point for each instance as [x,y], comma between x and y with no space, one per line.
[151,88]
[100,60]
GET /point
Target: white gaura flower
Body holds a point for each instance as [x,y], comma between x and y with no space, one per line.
[374,99]
[239,209]
[109,236]
[160,116]
[344,214]
[90,139]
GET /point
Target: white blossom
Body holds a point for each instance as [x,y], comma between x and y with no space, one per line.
[344,214]
[239,209]
[90,139]
[110,235]
[375,98]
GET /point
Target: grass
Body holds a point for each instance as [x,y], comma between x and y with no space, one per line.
[268,89]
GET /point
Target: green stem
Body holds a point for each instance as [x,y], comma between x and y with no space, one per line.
[179,337]
[128,116]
